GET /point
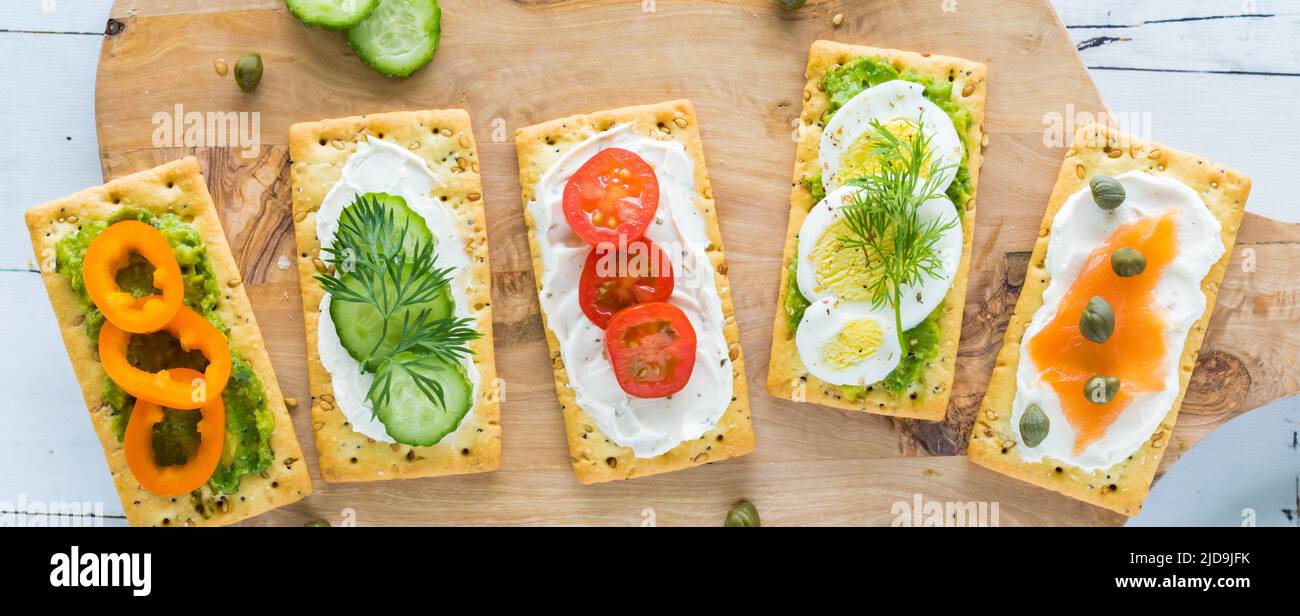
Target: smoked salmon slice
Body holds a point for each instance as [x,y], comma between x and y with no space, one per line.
[1135,352]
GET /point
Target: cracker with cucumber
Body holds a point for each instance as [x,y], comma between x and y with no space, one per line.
[393,263]
[633,287]
[167,351]
[1116,302]
[882,214]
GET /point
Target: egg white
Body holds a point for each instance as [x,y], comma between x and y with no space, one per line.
[822,321]
[889,101]
[919,300]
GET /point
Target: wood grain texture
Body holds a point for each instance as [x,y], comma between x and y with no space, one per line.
[515,64]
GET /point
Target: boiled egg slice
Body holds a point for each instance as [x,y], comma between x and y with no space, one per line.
[828,268]
[848,145]
[846,348]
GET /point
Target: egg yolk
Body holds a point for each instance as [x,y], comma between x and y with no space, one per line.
[843,270]
[1135,352]
[857,341]
[862,158]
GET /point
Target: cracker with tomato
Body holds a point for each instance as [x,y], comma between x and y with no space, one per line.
[1124,486]
[178,188]
[444,139]
[926,396]
[651,347]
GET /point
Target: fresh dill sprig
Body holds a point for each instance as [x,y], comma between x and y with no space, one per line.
[883,222]
[381,264]
[426,345]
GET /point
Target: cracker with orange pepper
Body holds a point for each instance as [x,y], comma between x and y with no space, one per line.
[233,453]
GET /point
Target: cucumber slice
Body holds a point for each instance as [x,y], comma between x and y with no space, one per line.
[408,415]
[361,326]
[399,37]
[331,14]
[408,227]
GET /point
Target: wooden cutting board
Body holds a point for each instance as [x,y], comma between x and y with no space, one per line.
[516,63]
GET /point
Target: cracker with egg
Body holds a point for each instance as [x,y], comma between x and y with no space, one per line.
[444,140]
[595,457]
[1101,150]
[177,187]
[787,375]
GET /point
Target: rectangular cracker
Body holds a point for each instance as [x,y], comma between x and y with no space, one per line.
[445,140]
[595,458]
[1122,487]
[786,376]
[177,187]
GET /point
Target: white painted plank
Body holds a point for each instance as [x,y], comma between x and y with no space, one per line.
[1257,36]
[1130,13]
[78,16]
[1246,472]
[1252,45]
[50,149]
[1245,122]
[48,451]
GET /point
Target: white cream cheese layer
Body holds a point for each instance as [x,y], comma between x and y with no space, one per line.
[649,426]
[1078,228]
[380,166]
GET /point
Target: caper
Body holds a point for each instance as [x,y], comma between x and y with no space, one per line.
[791,5]
[317,522]
[1097,322]
[1106,191]
[742,514]
[1101,389]
[1128,262]
[248,72]
[1033,426]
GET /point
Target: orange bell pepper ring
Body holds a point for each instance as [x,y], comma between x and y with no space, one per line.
[192,331]
[137,445]
[110,252]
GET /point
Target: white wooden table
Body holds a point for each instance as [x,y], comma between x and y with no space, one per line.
[1216,77]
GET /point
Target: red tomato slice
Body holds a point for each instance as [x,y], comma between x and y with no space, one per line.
[652,349]
[612,197]
[614,279]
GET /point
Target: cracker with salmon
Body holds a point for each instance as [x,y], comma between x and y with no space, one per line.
[1101,150]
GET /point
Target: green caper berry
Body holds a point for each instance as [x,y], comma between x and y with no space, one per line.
[315,523]
[1128,262]
[1034,425]
[1101,389]
[1097,322]
[791,5]
[742,514]
[248,72]
[1106,191]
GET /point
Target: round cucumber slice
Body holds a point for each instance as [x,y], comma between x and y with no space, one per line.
[408,415]
[399,37]
[408,227]
[361,326]
[331,14]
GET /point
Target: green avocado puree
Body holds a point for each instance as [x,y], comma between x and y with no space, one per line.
[249,422]
[841,85]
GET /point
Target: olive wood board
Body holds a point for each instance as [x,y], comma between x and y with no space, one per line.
[512,64]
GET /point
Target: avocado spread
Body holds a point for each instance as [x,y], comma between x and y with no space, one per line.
[842,84]
[249,422]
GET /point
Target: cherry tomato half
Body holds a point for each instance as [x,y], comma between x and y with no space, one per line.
[612,197]
[614,279]
[652,349]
